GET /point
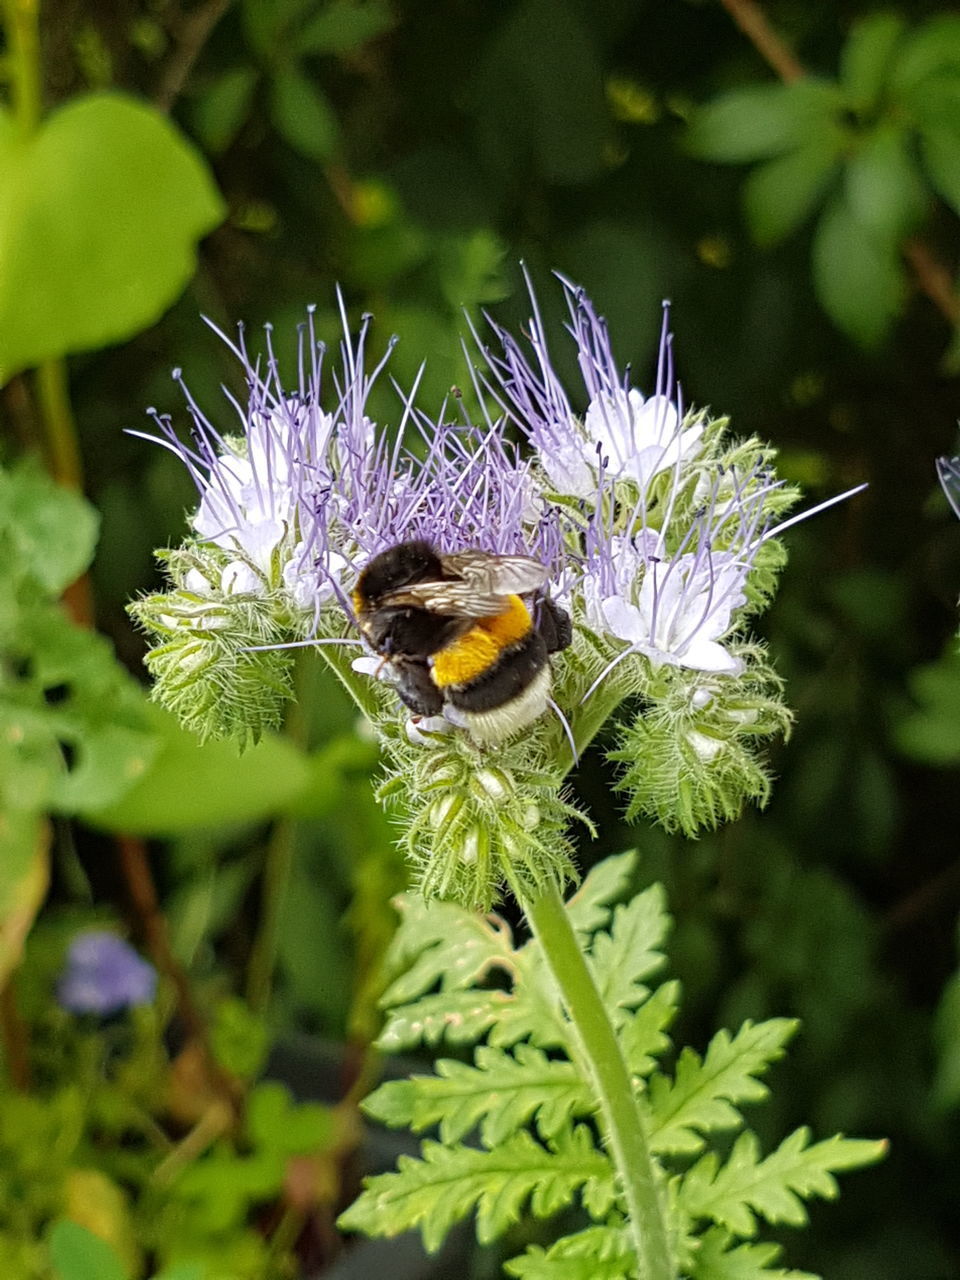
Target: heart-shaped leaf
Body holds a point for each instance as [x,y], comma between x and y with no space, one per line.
[100,212]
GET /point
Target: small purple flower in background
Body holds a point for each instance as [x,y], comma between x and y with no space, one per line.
[948,469]
[103,974]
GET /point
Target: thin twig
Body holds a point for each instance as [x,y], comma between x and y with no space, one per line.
[933,279]
[754,24]
[138,877]
[195,31]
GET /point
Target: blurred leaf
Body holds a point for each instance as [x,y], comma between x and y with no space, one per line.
[24,878]
[342,25]
[763,121]
[221,109]
[100,212]
[267,24]
[539,94]
[50,531]
[931,733]
[190,785]
[94,1201]
[930,48]
[780,195]
[77,1254]
[239,1038]
[471,270]
[940,150]
[859,280]
[302,115]
[276,1122]
[867,56]
[946,1085]
[883,190]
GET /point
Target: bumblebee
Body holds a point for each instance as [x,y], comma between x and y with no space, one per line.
[455,633]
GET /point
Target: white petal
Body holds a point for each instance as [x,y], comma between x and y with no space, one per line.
[624,620]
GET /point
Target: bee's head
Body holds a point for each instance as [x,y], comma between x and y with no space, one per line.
[398,567]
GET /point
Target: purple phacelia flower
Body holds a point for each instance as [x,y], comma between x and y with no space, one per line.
[103,974]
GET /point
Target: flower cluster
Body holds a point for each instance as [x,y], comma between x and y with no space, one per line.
[103,975]
[658,533]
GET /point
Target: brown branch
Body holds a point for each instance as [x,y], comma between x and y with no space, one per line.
[754,24]
[14,1037]
[195,31]
[138,877]
[933,279]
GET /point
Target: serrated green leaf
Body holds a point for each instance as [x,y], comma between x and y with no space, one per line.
[867,56]
[597,1253]
[500,1094]
[932,47]
[436,1191]
[342,25]
[642,1037]
[701,1097]
[607,882]
[622,958]
[441,942]
[763,121]
[736,1193]
[778,196]
[51,532]
[859,281]
[883,190]
[718,1258]
[92,247]
[77,1254]
[302,115]
[940,152]
[456,1017]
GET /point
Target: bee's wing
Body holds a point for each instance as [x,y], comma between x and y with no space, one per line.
[497,575]
[451,599]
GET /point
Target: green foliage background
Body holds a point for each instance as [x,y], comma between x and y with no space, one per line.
[416,153]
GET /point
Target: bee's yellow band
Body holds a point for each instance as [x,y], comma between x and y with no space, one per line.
[477,651]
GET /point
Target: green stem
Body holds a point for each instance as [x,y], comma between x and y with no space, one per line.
[60,429]
[622,1121]
[21,21]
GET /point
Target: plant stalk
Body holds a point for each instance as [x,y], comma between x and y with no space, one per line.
[622,1120]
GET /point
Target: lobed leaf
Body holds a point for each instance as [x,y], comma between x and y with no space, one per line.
[736,1193]
[718,1258]
[607,882]
[642,1037]
[436,1191]
[439,942]
[457,1017]
[701,1097]
[501,1093]
[596,1253]
[622,958]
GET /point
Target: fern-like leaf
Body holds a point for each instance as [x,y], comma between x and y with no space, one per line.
[436,1191]
[440,943]
[630,952]
[500,1094]
[701,1097]
[597,1253]
[642,1036]
[457,1017]
[736,1193]
[607,882]
[719,1258]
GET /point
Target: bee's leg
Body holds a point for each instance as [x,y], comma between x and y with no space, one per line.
[554,625]
[415,687]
